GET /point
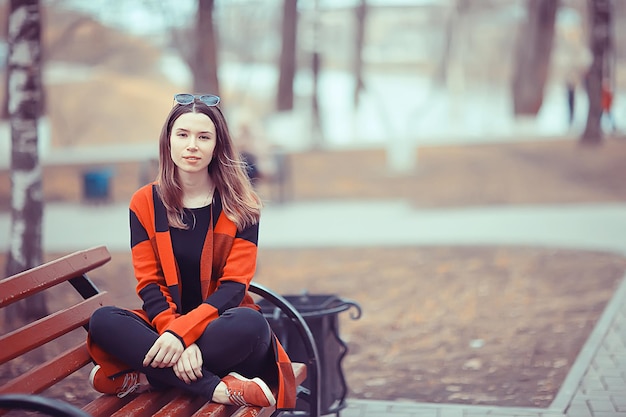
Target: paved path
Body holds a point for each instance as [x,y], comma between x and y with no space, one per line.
[366,223]
[595,385]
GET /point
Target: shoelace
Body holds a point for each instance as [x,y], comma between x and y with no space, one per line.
[131,383]
[236,397]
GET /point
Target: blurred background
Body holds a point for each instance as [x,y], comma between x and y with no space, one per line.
[372,122]
[315,74]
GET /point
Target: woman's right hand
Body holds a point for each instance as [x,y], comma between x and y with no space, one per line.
[189,366]
[165,352]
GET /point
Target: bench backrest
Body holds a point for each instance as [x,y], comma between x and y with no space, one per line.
[73,269]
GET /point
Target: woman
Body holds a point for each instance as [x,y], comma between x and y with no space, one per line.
[194,245]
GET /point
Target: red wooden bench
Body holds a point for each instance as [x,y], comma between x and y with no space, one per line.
[25,390]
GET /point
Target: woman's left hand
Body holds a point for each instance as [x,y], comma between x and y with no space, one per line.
[189,367]
[165,352]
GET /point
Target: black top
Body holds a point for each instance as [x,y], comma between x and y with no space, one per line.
[187,245]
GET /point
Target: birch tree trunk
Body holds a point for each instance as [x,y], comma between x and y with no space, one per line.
[600,42]
[25,104]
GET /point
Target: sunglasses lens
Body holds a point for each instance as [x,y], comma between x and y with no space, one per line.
[210,100]
[184,98]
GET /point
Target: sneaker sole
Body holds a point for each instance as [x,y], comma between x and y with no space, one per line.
[266,390]
[92,375]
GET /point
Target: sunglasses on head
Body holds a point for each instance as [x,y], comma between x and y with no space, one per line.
[185,98]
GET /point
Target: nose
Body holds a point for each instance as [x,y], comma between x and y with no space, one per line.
[192,145]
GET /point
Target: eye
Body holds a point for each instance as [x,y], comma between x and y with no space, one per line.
[181,134]
[205,137]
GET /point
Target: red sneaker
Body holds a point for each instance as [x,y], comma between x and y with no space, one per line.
[244,391]
[121,385]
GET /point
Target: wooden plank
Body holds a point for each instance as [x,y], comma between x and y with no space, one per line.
[49,373]
[106,405]
[48,328]
[181,405]
[299,371]
[215,410]
[254,411]
[20,286]
[265,412]
[146,404]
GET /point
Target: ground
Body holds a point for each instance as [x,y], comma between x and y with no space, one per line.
[462,324]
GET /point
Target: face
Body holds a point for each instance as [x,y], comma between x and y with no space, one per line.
[192,142]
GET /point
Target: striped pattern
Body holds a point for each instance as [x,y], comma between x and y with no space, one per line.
[228,256]
[228,264]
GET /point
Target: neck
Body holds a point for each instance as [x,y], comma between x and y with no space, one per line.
[197,190]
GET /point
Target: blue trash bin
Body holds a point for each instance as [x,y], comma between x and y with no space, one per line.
[96,185]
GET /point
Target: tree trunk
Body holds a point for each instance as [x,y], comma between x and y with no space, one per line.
[361,14]
[600,42]
[317,134]
[316,123]
[205,79]
[287,64]
[4,110]
[534,47]
[25,103]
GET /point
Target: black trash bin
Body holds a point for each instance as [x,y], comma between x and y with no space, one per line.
[320,312]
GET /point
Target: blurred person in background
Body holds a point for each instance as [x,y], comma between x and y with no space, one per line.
[194,238]
[570,86]
[607,104]
[249,154]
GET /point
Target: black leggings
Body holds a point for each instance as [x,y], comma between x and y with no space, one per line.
[239,340]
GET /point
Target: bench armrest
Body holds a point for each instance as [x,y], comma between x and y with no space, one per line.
[313,364]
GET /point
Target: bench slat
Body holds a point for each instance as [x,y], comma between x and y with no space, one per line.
[48,328]
[265,412]
[146,404]
[37,279]
[49,373]
[182,405]
[106,405]
[215,410]
[252,411]
[299,371]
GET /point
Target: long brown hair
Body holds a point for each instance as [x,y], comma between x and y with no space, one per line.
[240,202]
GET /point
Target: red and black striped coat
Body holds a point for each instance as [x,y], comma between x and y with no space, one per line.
[228,256]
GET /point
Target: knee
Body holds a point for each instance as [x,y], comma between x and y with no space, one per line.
[249,322]
[100,320]
[247,315]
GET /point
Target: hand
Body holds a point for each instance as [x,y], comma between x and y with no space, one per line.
[165,352]
[189,366]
